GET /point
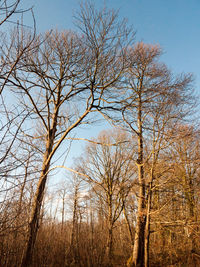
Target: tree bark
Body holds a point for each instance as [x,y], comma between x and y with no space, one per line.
[72,252]
[37,203]
[34,219]
[147,227]
[137,258]
[129,226]
[110,230]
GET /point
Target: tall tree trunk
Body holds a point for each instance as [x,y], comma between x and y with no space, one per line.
[110,245]
[148,209]
[137,258]
[39,194]
[147,227]
[36,206]
[71,253]
[129,226]
[138,248]
[110,230]
[34,220]
[192,214]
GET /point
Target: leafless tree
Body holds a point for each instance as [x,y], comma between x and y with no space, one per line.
[109,171]
[185,152]
[11,119]
[59,71]
[16,196]
[154,99]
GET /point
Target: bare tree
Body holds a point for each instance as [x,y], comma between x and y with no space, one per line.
[11,120]
[154,99]
[110,173]
[53,77]
[175,196]
[185,151]
[72,255]
[15,202]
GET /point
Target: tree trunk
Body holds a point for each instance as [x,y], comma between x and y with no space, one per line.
[147,228]
[36,207]
[72,252]
[148,210]
[138,248]
[129,226]
[33,224]
[192,214]
[34,219]
[137,258]
[110,245]
[110,230]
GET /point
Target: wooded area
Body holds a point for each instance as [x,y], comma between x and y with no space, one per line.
[133,197]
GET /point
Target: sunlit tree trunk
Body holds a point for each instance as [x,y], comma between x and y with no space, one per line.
[138,248]
[37,202]
[147,227]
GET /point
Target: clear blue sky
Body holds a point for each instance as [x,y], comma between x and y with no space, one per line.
[174,24]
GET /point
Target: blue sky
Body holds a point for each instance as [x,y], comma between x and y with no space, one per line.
[174,24]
